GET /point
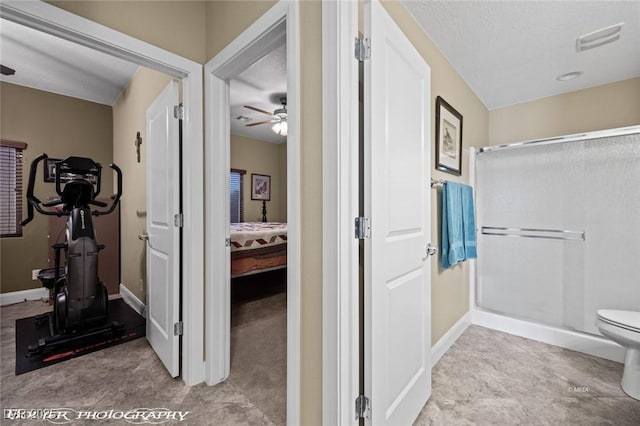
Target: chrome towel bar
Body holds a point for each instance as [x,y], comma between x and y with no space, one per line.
[437,182]
[554,234]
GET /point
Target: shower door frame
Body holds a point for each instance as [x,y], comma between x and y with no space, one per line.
[578,341]
[597,134]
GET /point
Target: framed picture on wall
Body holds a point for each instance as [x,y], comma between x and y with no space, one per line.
[260,187]
[50,169]
[448,138]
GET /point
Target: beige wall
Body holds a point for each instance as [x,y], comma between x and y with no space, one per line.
[311,211]
[177,26]
[449,288]
[226,20]
[59,126]
[603,107]
[263,158]
[129,117]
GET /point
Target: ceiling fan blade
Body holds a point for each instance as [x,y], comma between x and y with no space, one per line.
[258,110]
[261,122]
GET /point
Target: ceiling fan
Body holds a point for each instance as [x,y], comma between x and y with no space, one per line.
[279,117]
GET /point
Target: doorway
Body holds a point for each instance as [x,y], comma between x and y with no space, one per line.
[277,27]
[258,233]
[54,21]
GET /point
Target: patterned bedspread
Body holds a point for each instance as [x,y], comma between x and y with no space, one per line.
[257,235]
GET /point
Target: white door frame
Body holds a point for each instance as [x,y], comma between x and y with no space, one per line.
[277,25]
[340,198]
[60,23]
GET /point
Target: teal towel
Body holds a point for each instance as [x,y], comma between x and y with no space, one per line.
[452,228]
[468,223]
[458,224]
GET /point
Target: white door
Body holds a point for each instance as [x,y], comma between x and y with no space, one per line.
[163,244]
[397,203]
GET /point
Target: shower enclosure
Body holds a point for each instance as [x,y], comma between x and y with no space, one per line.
[559,228]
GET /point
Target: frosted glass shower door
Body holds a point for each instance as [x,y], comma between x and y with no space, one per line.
[523,273]
[612,222]
[560,230]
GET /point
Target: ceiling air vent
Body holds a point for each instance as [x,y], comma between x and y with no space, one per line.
[599,37]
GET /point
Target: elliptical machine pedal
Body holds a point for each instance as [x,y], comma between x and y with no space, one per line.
[48,344]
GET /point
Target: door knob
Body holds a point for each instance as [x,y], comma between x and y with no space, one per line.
[143,237]
[431,250]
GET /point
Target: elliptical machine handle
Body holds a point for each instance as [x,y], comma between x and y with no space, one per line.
[31,199]
[98,203]
[117,195]
[52,203]
[119,173]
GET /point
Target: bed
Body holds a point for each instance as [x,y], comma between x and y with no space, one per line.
[257,247]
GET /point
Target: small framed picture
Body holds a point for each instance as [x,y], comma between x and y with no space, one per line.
[448,138]
[260,187]
[50,169]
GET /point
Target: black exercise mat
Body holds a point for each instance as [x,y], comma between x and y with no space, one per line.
[28,333]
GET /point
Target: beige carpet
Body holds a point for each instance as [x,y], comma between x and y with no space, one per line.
[259,354]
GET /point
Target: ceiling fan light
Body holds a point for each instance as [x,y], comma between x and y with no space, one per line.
[569,76]
[280,128]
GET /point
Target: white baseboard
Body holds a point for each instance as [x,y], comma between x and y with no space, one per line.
[23,295]
[450,337]
[581,342]
[133,301]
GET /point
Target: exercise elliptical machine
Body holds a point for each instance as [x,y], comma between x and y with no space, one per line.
[80,299]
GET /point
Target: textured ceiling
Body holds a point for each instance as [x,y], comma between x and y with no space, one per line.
[508,52]
[261,86]
[511,52]
[49,63]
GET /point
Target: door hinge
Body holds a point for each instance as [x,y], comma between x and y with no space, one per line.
[178,328]
[178,112]
[178,220]
[227,242]
[363,229]
[363,407]
[363,49]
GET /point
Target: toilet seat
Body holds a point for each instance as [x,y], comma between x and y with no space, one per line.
[629,320]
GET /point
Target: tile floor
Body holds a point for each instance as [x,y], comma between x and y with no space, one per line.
[130,375]
[494,378]
[486,378]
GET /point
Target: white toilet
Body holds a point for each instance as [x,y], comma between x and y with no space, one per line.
[623,327]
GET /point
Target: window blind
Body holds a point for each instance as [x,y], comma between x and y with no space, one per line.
[11,188]
[236,180]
